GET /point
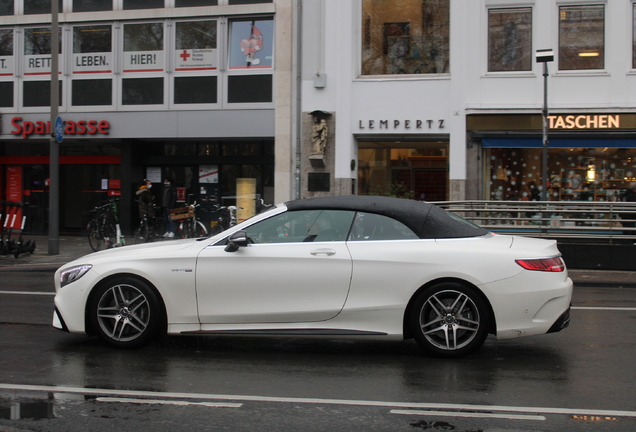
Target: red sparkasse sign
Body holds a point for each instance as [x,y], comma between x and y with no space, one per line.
[81,127]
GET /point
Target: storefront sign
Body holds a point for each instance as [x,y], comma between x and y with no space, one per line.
[401,124]
[81,127]
[596,121]
[92,63]
[195,59]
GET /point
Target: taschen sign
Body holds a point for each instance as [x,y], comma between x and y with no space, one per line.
[81,127]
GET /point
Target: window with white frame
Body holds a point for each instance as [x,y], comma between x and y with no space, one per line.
[251,48]
[92,5]
[581,37]
[143,4]
[191,3]
[92,66]
[196,62]
[7,7]
[143,64]
[405,37]
[32,7]
[510,39]
[6,68]
[36,92]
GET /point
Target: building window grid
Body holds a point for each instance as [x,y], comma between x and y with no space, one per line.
[168,73]
[33,7]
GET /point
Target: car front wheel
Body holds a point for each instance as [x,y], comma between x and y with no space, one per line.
[126,312]
[449,320]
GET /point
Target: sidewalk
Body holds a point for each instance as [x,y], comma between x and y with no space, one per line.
[73,247]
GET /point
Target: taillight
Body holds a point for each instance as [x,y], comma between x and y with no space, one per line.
[554,264]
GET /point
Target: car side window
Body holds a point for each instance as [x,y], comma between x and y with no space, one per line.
[370,226]
[302,226]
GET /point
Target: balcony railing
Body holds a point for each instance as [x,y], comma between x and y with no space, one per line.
[602,221]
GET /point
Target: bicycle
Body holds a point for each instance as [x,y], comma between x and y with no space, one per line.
[189,225]
[101,230]
[149,226]
[227,218]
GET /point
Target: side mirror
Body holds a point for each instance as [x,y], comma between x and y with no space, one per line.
[237,240]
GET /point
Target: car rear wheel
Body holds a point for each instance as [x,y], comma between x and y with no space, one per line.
[126,312]
[450,320]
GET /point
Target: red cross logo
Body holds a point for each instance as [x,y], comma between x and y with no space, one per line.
[184,55]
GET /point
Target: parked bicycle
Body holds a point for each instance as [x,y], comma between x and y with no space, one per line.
[150,225]
[227,218]
[103,228]
[187,222]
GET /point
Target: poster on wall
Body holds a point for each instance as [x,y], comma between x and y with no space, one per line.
[208,174]
[245,198]
[252,44]
[153,174]
[14,194]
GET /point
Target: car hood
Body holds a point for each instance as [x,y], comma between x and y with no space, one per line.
[165,248]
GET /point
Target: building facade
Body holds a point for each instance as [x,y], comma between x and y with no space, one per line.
[442,99]
[197,91]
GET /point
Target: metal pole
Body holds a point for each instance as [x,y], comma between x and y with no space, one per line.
[54,162]
[544,162]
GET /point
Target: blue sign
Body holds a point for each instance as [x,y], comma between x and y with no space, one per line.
[58,129]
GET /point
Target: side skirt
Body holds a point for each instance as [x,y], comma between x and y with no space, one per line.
[288,332]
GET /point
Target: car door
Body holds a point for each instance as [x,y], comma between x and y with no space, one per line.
[298,269]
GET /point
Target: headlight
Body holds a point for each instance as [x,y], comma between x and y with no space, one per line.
[74,273]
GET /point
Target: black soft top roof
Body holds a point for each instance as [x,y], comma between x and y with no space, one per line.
[426,220]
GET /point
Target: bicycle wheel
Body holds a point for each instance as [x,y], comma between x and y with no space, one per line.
[200,230]
[141,234]
[95,236]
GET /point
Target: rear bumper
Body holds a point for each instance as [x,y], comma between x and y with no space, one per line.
[562,322]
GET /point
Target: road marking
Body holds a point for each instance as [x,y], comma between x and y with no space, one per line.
[28,293]
[469,414]
[347,402]
[169,402]
[604,308]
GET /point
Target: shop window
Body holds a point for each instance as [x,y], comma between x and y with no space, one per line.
[39,6]
[405,37]
[6,94]
[593,174]
[38,93]
[510,39]
[189,3]
[195,90]
[142,91]
[419,172]
[92,92]
[37,41]
[143,4]
[581,37]
[249,88]
[7,7]
[92,5]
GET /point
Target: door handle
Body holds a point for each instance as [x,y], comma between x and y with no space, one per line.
[327,252]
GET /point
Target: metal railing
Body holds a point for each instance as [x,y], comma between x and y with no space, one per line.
[608,221]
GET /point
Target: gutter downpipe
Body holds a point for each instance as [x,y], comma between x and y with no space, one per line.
[297,65]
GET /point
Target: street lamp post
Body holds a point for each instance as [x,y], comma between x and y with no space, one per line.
[545,56]
[54,176]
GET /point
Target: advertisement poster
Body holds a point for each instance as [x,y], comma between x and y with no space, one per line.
[245,198]
[252,44]
[208,174]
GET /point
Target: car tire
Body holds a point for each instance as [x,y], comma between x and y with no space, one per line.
[449,320]
[126,312]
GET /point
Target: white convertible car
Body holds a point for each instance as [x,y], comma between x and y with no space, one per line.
[347,266]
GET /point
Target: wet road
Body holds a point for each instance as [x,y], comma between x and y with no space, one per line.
[581,379]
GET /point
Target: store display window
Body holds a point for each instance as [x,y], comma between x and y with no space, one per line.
[419,172]
[405,37]
[575,174]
